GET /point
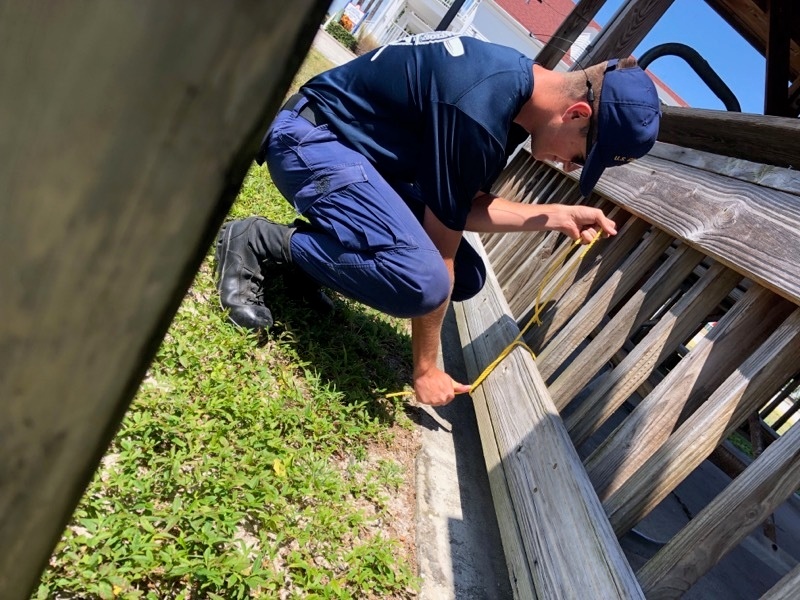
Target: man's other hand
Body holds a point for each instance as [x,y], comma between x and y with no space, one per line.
[436,388]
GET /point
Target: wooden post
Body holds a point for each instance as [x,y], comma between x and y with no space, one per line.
[629,26]
[566,34]
[127,129]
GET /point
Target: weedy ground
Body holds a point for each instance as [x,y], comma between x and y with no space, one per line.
[255,467]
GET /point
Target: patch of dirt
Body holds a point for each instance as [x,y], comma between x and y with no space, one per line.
[401,508]
[396,516]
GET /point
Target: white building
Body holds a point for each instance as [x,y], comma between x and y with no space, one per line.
[522,24]
[500,21]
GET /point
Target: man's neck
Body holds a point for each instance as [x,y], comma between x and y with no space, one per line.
[543,101]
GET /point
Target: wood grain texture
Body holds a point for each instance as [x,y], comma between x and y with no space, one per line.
[629,26]
[569,547]
[571,27]
[517,562]
[535,191]
[784,180]
[639,308]
[752,229]
[726,521]
[727,407]
[523,292]
[618,285]
[127,129]
[750,19]
[593,271]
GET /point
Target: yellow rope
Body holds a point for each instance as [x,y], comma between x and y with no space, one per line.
[538,308]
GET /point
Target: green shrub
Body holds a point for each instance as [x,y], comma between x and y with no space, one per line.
[344,37]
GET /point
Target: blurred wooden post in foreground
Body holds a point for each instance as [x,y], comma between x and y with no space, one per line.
[126,131]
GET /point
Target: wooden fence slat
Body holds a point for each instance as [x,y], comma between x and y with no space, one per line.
[516,174]
[539,259]
[714,357]
[618,285]
[127,129]
[742,392]
[497,244]
[671,330]
[535,255]
[781,396]
[510,257]
[726,521]
[786,588]
[641,306]
[592,273]
[513,182]
[571,550]
[527,280]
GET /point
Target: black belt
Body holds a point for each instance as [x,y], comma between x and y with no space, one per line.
[307,112]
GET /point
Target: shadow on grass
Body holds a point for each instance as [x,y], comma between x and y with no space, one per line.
[361,352]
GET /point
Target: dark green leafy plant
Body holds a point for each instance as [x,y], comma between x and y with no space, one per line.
[344,37]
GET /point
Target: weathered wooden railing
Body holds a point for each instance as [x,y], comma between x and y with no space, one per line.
[669,337]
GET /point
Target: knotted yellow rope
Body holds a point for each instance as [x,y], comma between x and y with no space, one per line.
[538,307]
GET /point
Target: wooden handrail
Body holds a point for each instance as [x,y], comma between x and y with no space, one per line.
[560,529]
[759,138]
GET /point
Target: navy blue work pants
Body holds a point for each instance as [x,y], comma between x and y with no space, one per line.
[366,239]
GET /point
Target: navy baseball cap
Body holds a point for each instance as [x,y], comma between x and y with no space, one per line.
[628,116]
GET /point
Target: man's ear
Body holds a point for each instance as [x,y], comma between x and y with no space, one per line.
[579,110]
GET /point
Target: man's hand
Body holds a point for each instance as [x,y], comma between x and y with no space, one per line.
[436,388]
[580,222]
[492,214]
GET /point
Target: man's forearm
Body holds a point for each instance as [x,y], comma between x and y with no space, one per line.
[492,214]
[425,335]
[432,385]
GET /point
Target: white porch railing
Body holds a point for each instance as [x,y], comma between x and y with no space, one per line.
[384,33]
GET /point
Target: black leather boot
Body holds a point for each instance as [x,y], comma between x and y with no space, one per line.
[244,247]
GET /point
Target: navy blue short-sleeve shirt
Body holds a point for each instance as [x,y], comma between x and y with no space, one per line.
[436,109]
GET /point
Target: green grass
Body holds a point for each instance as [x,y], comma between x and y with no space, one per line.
[251,467]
